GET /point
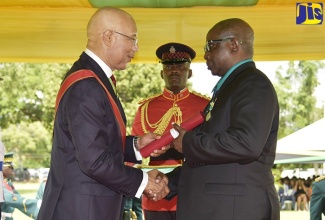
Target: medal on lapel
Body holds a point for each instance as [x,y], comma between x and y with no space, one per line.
[208,115]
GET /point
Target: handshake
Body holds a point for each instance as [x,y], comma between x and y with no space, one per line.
[156,188]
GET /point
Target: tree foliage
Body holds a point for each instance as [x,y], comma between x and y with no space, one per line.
[137,82]
[295,90]
[28,94]
[30,142]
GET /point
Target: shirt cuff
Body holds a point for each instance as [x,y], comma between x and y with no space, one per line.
[137,153]
[143,185]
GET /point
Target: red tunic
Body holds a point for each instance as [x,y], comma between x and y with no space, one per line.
[156,114]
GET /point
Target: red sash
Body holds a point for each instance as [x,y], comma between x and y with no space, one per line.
[80,75]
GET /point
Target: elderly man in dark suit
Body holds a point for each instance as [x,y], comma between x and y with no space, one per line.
[88,178]
[227,170]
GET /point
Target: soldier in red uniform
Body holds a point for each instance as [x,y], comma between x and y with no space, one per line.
[156,114]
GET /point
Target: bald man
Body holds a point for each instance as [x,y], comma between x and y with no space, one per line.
[88,179]
[227,171]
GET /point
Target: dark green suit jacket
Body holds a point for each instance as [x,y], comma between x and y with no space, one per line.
[317,201]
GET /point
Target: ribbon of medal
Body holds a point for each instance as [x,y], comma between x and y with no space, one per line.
[208,113]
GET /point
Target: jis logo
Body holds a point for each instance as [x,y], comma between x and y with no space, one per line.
[309,13]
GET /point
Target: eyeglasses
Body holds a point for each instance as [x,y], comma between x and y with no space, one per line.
[135,40]
[209,45]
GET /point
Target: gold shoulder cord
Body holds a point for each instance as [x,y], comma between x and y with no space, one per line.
[25,208]
[149,98]
[24,204]
[160,126]
[200,95]
[320,178]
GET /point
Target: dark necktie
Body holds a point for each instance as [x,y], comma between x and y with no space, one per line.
[113,80]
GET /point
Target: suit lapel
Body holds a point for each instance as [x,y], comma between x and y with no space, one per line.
[103,78]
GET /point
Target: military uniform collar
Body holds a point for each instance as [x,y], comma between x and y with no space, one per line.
[181,95]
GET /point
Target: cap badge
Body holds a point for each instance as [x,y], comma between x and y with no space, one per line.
[172,49]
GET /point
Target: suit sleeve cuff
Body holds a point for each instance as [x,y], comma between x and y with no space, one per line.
[143,185]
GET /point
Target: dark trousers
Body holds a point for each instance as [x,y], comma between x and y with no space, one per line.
[161,215]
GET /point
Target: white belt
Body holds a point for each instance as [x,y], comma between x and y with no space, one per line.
[6,214]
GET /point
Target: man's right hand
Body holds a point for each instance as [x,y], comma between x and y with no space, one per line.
[156,188]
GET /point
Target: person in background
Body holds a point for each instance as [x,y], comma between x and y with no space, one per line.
[317,200]
[88,178]
[13,200]
[156,114]
[287,193]
[301,195]
[227,173]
